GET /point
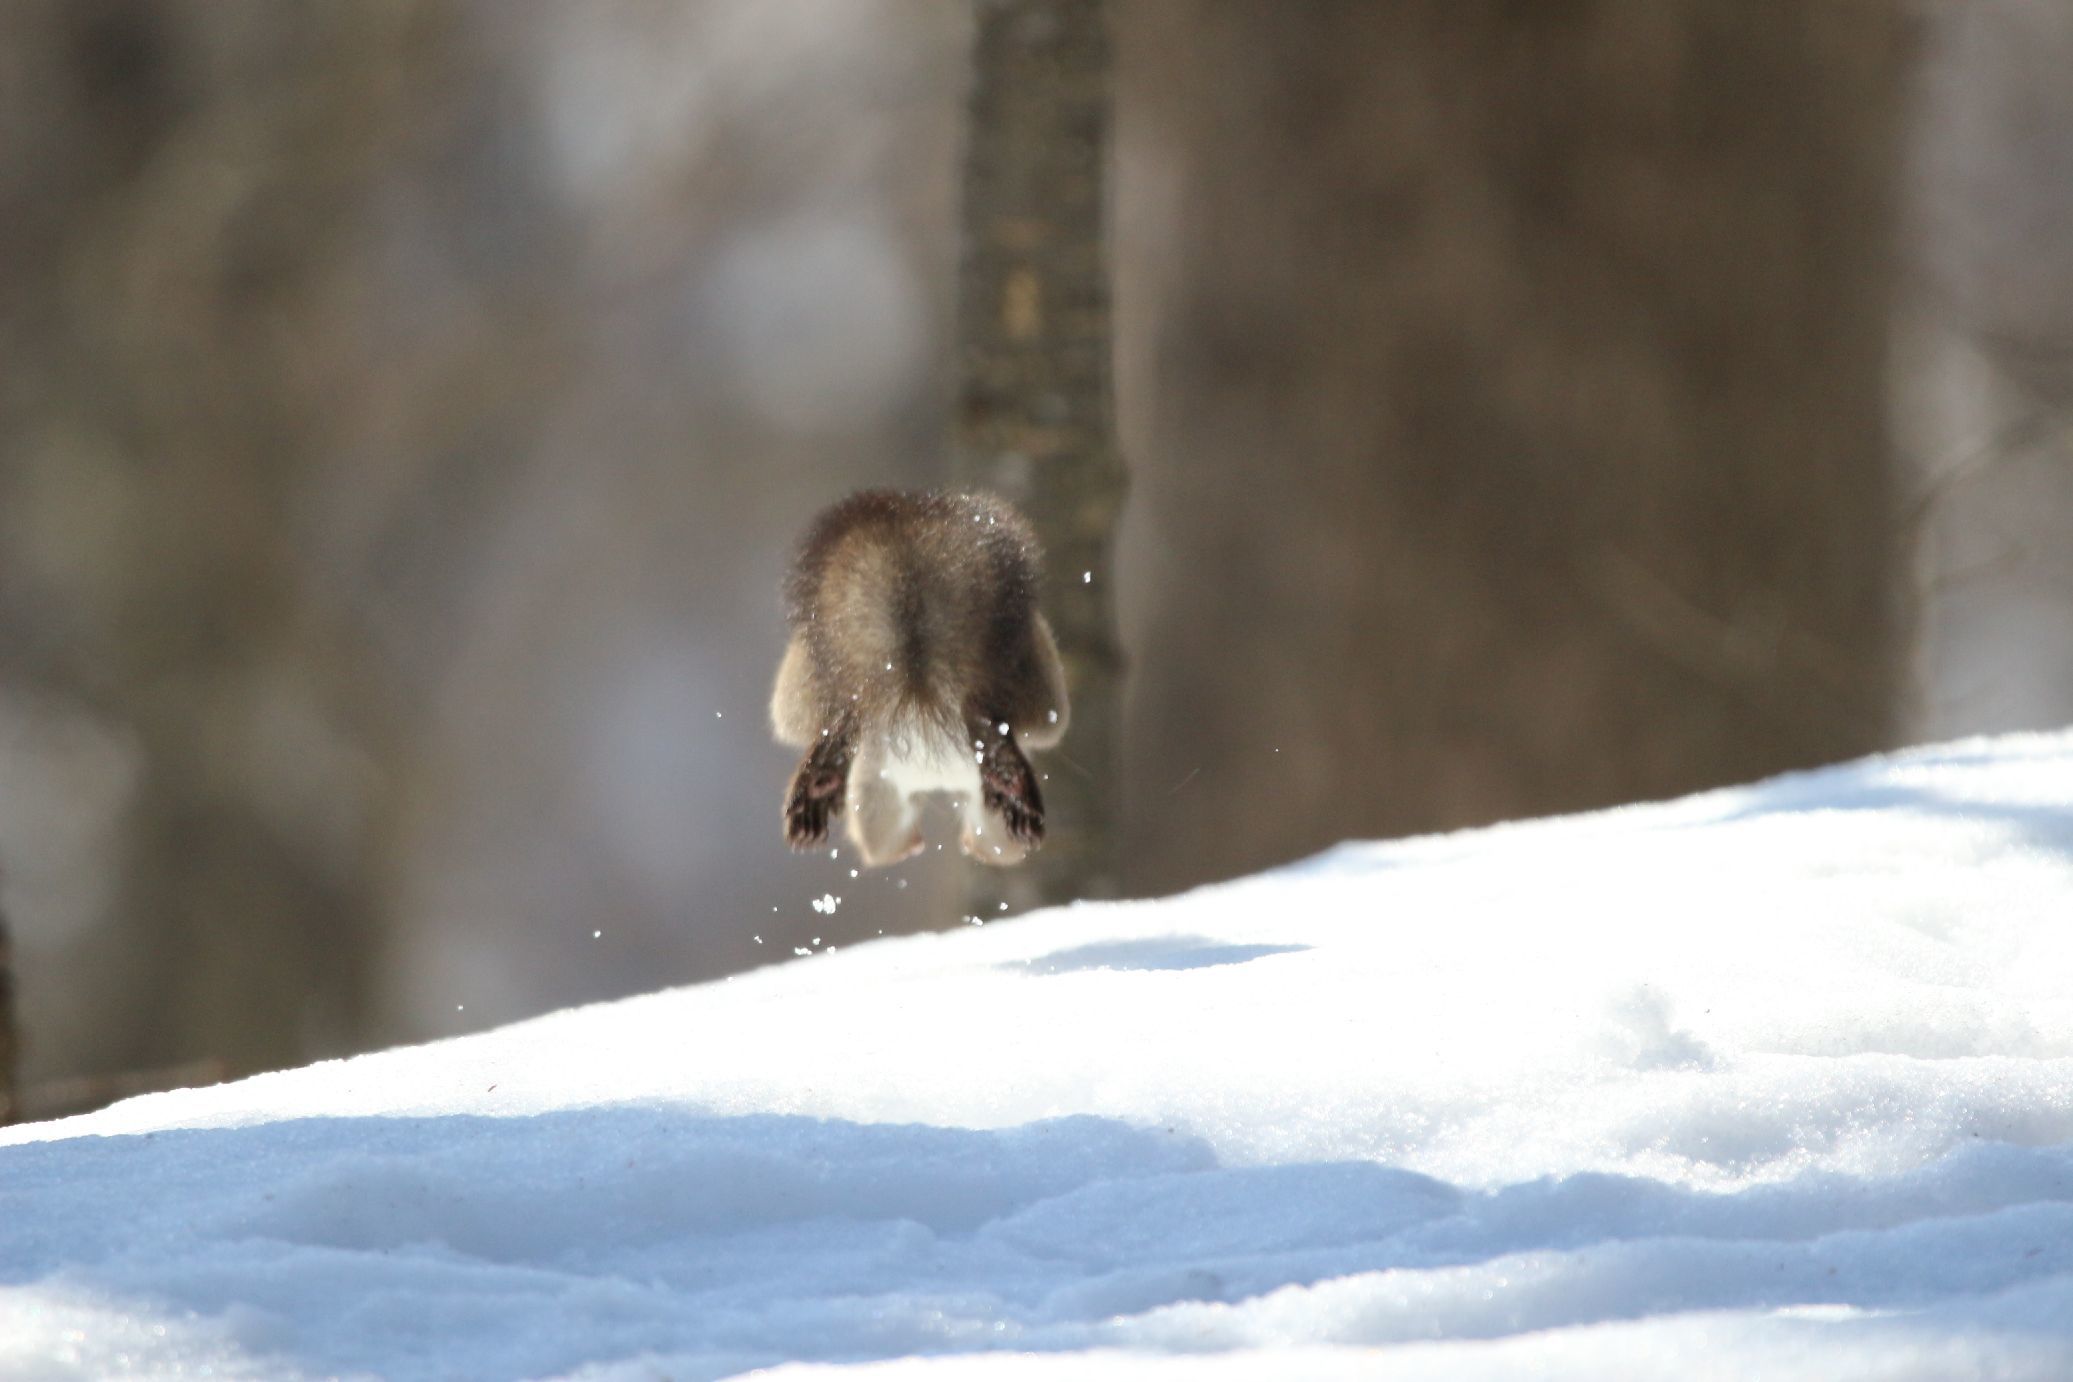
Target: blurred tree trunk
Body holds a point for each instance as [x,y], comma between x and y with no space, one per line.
[179,229]
[1512,417]
[1034,410]
[10,1049]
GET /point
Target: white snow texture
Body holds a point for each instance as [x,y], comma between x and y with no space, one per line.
[1773,1081]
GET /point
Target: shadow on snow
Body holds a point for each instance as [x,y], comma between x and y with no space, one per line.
[534,1244]
[1153,952]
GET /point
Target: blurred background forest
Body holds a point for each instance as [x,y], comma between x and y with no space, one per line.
[408,407]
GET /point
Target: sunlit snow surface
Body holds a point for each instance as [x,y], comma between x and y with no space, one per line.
[1771,1081]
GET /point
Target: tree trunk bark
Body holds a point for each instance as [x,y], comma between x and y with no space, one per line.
[10,1058]
[1034,421]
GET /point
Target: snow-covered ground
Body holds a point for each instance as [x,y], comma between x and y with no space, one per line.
[1770,1081]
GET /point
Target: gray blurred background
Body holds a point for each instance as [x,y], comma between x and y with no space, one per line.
[408,405]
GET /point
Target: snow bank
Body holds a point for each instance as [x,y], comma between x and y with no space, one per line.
[1776,1080]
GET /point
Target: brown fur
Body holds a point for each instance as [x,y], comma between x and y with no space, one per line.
[915,613]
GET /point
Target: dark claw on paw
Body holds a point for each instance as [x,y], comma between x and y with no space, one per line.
[1020,806]
[1007,786]
[806,824]
[1025,827]
[812,802]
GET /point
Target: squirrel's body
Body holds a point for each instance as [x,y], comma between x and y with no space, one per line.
[918,662]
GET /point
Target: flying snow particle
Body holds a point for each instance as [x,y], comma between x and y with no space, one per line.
[1050,715]
[597,935]
[1086,578]
[1002,726]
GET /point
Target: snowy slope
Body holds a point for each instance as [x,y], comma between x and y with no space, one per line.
[1772,1080]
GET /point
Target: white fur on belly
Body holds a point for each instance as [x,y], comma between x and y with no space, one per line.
[920,757]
